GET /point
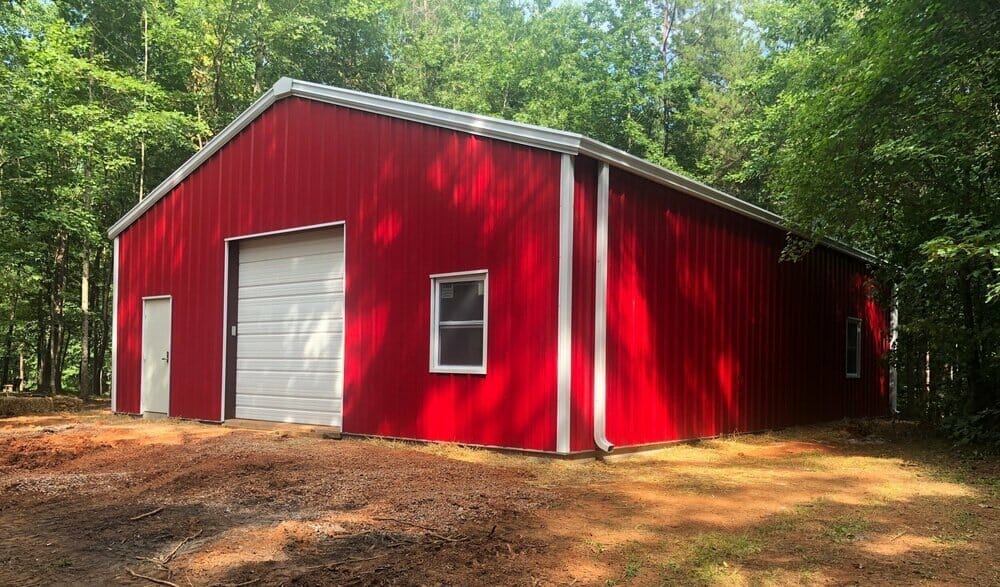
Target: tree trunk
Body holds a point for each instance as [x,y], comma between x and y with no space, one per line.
[8,347]
[104,332]
[667,28]
[84,382]
[145,78]
[56,314]
[42,348]
[979,396]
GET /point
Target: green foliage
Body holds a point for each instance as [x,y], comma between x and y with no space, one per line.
[980,429]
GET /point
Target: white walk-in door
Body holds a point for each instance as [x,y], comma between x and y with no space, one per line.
[290,328]
[155,384]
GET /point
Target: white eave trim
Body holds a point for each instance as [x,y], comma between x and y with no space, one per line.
[485,126]
[663,176]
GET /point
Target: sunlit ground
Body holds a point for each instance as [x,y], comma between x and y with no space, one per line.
[869,503]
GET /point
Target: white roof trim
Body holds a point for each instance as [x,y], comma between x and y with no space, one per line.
[495,128]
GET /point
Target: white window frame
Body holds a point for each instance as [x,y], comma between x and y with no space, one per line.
[854,323]
[436,280]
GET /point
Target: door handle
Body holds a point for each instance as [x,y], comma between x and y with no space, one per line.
[166,359]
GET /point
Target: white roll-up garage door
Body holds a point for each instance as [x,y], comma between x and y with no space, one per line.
[290,328]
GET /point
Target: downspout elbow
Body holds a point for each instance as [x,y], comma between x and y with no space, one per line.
[602,442]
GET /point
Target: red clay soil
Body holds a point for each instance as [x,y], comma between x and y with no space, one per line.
[92,499]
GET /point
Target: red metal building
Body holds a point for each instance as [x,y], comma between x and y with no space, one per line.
[401,270]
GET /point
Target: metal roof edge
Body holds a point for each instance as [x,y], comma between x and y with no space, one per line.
[194,162]
[664,176]
[486,126]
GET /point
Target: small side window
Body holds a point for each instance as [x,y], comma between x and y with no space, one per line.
[458,322]
[853,348]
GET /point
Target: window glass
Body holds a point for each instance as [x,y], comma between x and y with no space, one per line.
[461,345]
[460,301]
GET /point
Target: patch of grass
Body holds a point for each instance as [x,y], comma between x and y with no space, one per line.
[633,562]
[779,524]
[632,568]
[847,528]
[714,552]
[965,526]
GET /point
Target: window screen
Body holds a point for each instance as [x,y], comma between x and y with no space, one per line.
[458,338]
[853,347]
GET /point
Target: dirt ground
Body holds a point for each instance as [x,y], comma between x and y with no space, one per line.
[92,498]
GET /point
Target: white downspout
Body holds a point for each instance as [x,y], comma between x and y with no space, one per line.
[893,343]
[114,326]
[601,314]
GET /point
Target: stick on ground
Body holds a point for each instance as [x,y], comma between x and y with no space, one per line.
[431,531]
[153,579]
[170,556]
[147,514]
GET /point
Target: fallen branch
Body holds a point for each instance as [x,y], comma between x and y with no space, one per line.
[147,514]
[155,561]
[345,561]
[244,583]
[430,531]
[173,552]
[345,536]
[153,579]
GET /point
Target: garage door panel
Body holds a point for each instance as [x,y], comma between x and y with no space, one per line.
[319,345]
[334,325]
[290,328]
[290,365]
[288,246]
[291,416]
[320,307]
[298,269]
[323,286]
[312,385]
[280,402]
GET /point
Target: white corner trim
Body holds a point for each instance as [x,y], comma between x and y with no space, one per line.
[114,327]
[485,126]
[225,326]
[601,313]
[282,87]
[564,340]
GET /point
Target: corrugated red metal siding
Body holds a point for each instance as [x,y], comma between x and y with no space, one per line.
[708,333]
[417,200]
[584,257]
